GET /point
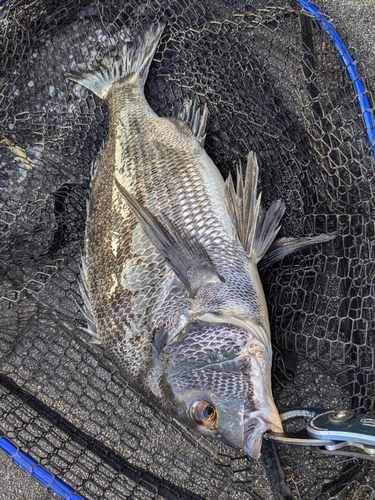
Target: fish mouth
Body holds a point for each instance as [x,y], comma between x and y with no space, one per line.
[255,425]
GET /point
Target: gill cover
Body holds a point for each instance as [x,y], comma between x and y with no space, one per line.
[221,365]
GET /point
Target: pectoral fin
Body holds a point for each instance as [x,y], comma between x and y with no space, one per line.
[183,252]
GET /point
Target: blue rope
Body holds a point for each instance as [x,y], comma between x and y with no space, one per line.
[350,66]
[31,466]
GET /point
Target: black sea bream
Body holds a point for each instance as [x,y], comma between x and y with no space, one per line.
[171,261]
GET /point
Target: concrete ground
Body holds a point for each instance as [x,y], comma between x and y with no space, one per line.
[15,484]
[358,20]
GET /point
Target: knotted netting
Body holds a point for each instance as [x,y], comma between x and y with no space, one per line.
[274,83]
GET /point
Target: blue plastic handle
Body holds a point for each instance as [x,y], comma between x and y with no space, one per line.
[351,68]
[30,465]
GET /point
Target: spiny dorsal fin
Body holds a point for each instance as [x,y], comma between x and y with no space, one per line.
[86,309]
[184,253]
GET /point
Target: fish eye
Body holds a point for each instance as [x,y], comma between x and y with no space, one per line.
[204,413]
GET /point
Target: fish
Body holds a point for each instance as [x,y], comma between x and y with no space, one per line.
[171,260]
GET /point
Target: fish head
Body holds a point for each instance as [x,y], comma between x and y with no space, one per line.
[218,379]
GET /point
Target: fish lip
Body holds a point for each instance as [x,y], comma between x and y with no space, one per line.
[255,425]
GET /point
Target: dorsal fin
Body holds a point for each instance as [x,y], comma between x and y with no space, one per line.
[86,309]
[184,253]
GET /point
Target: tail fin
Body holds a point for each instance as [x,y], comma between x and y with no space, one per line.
[130,60]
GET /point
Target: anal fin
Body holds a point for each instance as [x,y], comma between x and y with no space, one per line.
[190,113]
[256,228]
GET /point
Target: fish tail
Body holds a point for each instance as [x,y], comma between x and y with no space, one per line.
[130,61]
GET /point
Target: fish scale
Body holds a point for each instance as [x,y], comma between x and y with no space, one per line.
[146,165]
[151,165]
[171,256]
[135,296]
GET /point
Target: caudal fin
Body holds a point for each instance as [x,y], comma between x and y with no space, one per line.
[131,60]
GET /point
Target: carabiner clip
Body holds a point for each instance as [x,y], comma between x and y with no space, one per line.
[331,432]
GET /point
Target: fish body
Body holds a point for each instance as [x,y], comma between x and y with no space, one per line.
[171,261]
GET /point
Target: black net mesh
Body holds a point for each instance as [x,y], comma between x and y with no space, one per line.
[274,83]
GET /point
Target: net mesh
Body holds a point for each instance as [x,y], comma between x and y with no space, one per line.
[275,84]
